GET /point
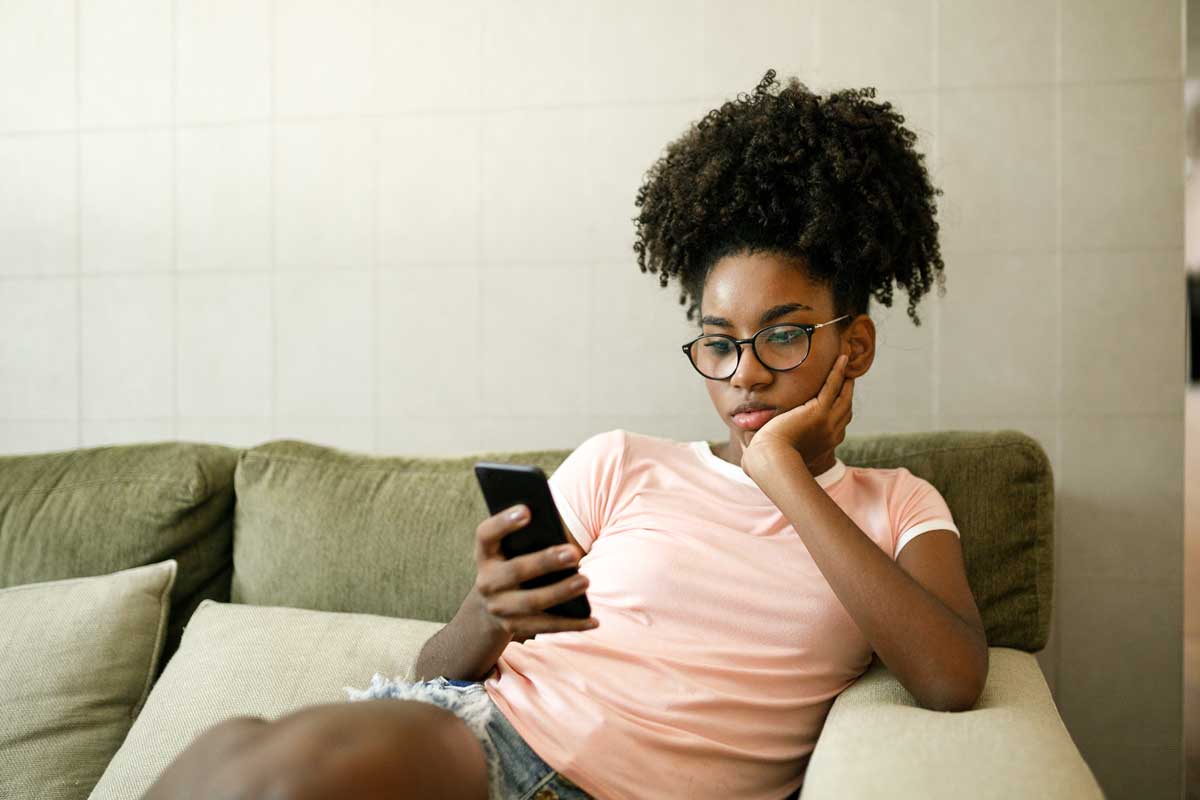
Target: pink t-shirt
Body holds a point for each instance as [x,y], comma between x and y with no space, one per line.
[721,646]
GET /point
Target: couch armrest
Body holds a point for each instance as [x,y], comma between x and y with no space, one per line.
[877,742]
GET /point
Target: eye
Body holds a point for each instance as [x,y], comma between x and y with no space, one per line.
[717,346]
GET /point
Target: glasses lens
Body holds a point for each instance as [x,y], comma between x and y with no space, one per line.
[782,347]
[714,356]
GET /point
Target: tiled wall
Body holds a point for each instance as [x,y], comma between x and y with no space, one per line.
[405,228]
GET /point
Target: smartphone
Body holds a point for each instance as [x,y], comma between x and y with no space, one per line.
[505,485]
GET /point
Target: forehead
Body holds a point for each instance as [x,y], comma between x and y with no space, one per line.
[743,285]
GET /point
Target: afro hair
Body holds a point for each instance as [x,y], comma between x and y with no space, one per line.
[831,180]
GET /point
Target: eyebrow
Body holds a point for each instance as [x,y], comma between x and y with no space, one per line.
[773,313]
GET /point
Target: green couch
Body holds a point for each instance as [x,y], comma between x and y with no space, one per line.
[287,571]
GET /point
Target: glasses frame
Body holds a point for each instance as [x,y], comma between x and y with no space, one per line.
[808,329]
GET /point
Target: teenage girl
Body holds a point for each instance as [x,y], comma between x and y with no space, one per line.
[736,590]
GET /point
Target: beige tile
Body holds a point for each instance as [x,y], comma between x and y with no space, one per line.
[1122,316]
[323,195]
[634,359]
[429,340]
[985,43]
[240,433]
[889,45]
[37,65]
[223,67]
[427,56]
[545,201]
[1111,40]
[225,352]
[39,349]
[544,53]
[998,336]
[128,347]
[323,346]
[998,169]
[897,390]
[352,434]
[126,201]
[38,218]
[428,435]
[20,437]
[1122,150]
[1120,498]
[323,57]
[517,434]
[784,33]
[869,423]
[429,190]
[223,192]
[682,427]
[125,62]
[104,432]
[535,348]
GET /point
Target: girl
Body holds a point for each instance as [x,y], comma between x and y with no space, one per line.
[736,590]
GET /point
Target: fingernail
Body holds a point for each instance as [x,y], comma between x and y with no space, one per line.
[565,555]
[516,513]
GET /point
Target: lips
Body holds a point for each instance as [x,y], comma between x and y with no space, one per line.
[753,420]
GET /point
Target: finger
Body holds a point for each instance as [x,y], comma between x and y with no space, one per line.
[551,623]
[844,401]
[496,527]
[520,602]
[531,565]
[833,382]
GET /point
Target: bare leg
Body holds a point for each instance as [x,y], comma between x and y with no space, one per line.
[370,749]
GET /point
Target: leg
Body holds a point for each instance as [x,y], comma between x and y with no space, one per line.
[371,749]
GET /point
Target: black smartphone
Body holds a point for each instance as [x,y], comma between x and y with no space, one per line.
[507,485]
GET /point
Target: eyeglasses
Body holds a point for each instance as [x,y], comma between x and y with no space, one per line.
[779,348]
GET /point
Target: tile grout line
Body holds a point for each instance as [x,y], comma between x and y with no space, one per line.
[935,393]
[272,300]
[373,251]
[477,435]
[78,237]
[173,429]
[1056,660]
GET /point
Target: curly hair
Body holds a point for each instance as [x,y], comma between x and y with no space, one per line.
[833,180]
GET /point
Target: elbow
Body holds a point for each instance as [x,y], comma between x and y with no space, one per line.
[962,692]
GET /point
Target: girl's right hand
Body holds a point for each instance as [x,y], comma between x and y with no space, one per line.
[507,606]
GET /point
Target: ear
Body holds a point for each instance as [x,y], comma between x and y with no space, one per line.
[858,342]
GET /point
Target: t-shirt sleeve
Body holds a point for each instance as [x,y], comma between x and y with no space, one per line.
[585,485]
[917,507]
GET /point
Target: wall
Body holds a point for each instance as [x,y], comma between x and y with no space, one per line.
[219,220]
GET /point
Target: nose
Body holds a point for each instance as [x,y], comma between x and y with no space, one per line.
[750,371]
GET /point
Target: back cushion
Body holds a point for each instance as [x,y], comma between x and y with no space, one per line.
[94,511]
[322,528]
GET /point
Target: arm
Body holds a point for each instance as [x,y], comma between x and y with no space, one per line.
[938,655]
[466,648]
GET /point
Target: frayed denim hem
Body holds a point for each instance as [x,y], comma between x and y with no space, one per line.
[471,704]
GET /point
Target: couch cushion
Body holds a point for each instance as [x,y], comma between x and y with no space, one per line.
[78,657]
[98,510]
[322,528]
[238,660]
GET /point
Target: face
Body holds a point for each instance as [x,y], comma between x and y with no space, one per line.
[744,294]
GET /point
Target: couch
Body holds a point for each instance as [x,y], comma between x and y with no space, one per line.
[148,591]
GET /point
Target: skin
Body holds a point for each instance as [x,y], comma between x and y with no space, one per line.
[739,288]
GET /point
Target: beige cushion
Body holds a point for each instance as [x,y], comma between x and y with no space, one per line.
[237,660]
[78,657]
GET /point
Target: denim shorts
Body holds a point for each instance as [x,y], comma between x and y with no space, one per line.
[515,771]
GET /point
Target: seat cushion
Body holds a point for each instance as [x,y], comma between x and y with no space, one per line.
[97,510]
[322,528]
[78,657]
[240,660]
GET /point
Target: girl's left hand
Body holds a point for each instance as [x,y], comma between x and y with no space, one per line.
[815,428]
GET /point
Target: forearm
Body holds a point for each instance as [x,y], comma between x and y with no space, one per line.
[466,648]
[936,654]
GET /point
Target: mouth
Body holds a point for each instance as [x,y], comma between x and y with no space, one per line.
[753,420]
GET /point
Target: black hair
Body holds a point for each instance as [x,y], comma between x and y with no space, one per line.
[833,180]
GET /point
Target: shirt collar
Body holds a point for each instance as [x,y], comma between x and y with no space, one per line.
[735,472]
